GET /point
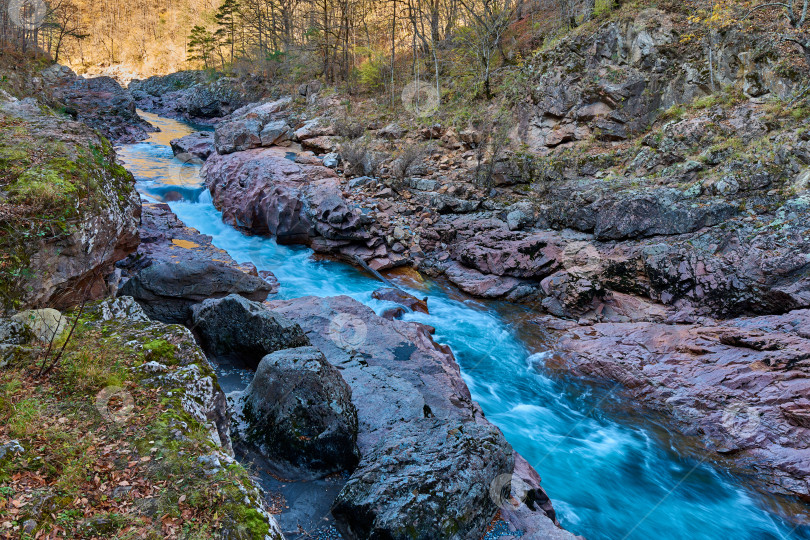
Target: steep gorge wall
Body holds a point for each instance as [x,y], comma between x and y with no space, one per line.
[612,83]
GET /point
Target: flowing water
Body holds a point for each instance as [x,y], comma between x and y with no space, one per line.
[612,473]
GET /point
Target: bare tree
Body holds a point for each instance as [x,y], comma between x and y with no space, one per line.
[797,15]
[489,21]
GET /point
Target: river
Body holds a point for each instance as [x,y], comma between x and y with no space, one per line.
[612,471]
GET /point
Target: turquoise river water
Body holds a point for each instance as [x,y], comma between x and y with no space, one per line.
[611,471]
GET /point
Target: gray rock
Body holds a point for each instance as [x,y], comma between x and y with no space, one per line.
[424,184]
[210,464]
[124,307]
[99,102]
[446,204]
[238,328]
[471,137]
[391,131]
[519,216]
[299,410]
[64,268]
[312,129]
[237,136]
[416,483]
[166,291]
[199,144]
[14,332]
[331,160]
[360,181]
[9,448]
[310,89]
[45,324]
[525,505]
[275,133]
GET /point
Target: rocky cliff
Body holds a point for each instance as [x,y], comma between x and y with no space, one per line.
[69,211]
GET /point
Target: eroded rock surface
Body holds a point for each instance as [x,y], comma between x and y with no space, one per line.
[263,191]
[741,385]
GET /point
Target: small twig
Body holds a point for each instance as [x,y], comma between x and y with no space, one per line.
[763,6]
[800,95]
[58,356]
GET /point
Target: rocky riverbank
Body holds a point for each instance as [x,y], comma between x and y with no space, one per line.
[401,388]
[613,213]
[68,210]
[134,402]
[655,227]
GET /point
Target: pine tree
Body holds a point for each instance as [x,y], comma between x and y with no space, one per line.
[226,19]
[201,45]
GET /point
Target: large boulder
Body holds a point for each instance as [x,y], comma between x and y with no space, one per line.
[254,126]
[483,285]
[505,253]
[299,409]
[238,135]
[314,128]
[199,145]
[167,290]
[275,132]
[428,479]
[266,193]
[237,328]
[45,324]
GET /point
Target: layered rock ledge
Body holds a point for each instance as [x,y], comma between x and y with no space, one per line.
[741,386]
